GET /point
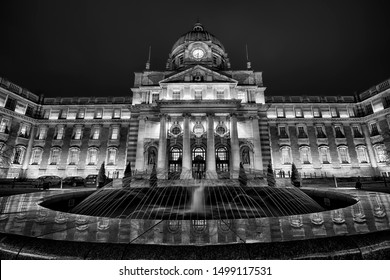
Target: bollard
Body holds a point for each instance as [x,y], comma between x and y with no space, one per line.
[335,181]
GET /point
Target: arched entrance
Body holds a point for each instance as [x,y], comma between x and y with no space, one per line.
[198,163]
[174,163]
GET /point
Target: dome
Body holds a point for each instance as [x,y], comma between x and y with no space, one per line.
[197,34]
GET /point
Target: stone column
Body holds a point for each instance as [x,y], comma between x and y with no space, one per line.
[211,172]
[162,149]
[235,148]
[370,149]
[27,155]
[258,157]
[140,161]
[186,172]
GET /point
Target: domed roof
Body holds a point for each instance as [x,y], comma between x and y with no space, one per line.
[197,34]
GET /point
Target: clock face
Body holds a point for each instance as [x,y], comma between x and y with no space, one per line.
[198,53]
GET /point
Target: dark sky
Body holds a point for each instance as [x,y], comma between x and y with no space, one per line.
[92,48]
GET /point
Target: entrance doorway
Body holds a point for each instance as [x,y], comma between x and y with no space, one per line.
[198,163]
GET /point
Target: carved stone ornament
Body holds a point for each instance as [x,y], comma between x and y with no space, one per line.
[198,129]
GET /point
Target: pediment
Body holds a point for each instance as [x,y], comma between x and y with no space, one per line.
[198,74]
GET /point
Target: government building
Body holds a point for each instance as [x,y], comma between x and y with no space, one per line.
[198,118]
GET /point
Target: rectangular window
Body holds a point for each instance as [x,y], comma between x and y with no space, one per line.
[4,125]
[369,109]
[343,155]
[374,129]
[20,107]
[3,97]
[176,95]
[155,97]
[362,155]
[10,104]
[356,132]
[320,132]
[116,113]
[242,95]
[198,95]
[36,158]
[111,156]
[115,133]
[324,155]
[298,113]
[30,111]
[73,157]
[221,94]
[63,114]
[42,133]
[339,132]
[283,132]
[60,133]
[77,133]
[24,131]
[280,112]
[81,114]
[92,157]
[96,133]
[316,112]
[334,113]
[99,113]
[301,132]
[55,156]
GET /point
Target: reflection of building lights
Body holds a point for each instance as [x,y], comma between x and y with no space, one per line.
[103,224]
[199,225]
[81,223]
[174,226]
[338,216]
[224,225]
[296,221]
[61,218]
[316,219]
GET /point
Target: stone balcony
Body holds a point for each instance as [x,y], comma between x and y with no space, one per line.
[39,142]
[376,139]
[322,141]
[341,141]
[75,142]
[359,141]
[21,141]
[303,141]
[284,142]
[57,142]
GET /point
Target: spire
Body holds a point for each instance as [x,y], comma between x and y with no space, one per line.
[248,63]
[148,62]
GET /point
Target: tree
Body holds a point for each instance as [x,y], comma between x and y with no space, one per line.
[295,180]
[270,176]
[101,176]
[153,177]
[128,171]
[242,178]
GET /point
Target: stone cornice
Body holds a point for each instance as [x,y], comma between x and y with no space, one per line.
[82,121]
[18,116]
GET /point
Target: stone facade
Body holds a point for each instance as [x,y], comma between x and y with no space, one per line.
[196,119]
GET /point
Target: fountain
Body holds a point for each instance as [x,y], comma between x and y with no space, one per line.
[193,212]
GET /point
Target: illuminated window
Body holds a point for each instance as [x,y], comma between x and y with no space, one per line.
[334,113]
[343,154]
[316,113]
[95,133]
[381,153]
[280,112]
[116,114]
[81,114]
[42,132]
[198,95]
[221,94]
[175,154]
[115,133]
[324,154]
[305,155]
[99,113]
[55,156]
[374,129]
[111,156]
[92,156]
[362,154]
[176,95]
[60,132]
[356,132]
[19,155]
[73,156]
[301,132]
[36,156]
[24,130]
[222,154]
[77,133]
[4,125]
[286,155]
[298,113]
[320,132]
[339,132]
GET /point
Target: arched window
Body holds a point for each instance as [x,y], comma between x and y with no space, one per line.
[380,153]
[19,155]
[245,156]
[111,156]
[175,154]
[286,155]
[198,153]
[324,154]
[36,156]
[361,152]
[343,154]
[305,155]
[73,158]
[92,156]
[222,154]
[55,156]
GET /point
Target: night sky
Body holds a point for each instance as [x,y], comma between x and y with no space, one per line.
[93,48]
